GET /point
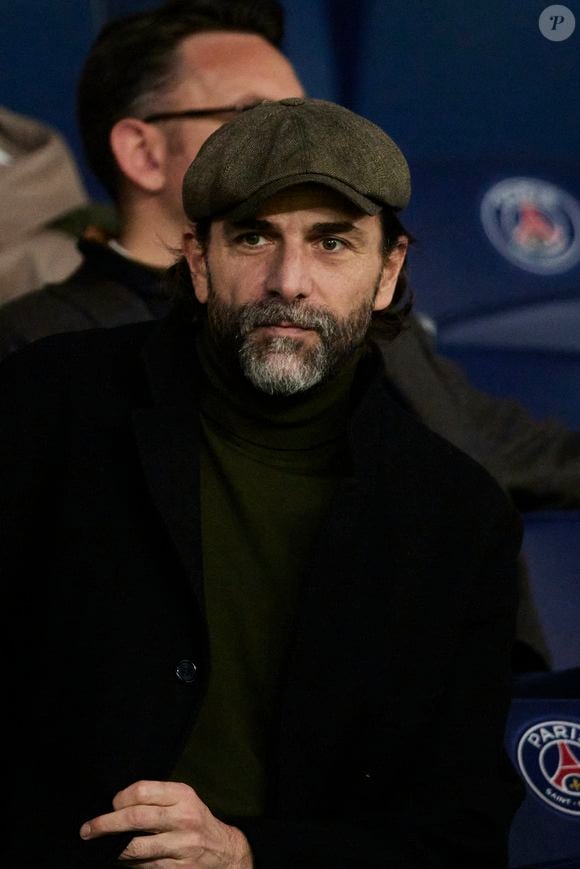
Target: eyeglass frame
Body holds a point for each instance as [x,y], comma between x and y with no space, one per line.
[196,113]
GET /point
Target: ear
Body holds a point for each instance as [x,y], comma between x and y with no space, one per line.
[196,259]
[390,274]
[140,151]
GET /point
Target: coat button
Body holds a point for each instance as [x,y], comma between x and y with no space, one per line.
[186,671]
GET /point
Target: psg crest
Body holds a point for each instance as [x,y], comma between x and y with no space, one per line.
[534,224]
[548,756]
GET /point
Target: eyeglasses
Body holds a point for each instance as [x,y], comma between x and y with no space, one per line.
[198,113]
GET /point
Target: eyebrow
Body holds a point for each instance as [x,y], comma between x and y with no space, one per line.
[249,223]
[323,227]
[337,226]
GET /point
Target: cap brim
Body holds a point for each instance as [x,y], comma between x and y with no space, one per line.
[250,206]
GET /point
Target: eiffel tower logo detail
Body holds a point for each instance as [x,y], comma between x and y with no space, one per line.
[568,767]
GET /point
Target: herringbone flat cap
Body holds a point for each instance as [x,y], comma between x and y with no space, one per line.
[280,144]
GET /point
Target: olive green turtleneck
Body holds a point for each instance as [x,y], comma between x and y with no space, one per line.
[268,469]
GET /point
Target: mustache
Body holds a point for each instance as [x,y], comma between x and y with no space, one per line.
[272,312]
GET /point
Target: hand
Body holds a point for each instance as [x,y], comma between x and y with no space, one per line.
[179,830]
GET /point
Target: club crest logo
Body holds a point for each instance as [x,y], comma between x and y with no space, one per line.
[534,224]
[548,756]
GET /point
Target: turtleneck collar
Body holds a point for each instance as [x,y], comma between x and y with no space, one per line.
[302,421]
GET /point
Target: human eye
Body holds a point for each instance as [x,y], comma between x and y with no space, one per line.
[251,239]
[332,244]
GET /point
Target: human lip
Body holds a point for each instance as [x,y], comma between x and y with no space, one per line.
[284,328]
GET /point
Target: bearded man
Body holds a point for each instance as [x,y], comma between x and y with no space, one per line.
[268,613]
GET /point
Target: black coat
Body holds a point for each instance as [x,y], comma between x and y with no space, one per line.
[387,750]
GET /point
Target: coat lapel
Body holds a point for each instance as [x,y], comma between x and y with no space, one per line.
[374,443]
[167,437]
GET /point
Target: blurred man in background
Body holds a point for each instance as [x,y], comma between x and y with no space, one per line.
[153,88]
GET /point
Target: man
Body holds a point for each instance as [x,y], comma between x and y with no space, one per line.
[267,613]
[153,88]
[195,57]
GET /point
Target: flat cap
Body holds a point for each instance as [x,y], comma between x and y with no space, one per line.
[276,145]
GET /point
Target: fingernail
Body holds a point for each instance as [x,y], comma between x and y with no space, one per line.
[85,831]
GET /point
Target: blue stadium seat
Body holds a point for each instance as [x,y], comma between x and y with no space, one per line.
[496,236]
[543,742]
[546,382]
[552,550]
[496,268]
[548,325]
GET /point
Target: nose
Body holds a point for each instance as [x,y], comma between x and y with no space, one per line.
[288,277]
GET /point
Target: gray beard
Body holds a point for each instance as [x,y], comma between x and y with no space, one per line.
[283,365]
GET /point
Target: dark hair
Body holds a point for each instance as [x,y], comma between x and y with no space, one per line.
[393,319]
[387,323]
[134,60]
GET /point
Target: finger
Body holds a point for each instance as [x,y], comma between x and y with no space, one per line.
[153,793]
[146,819]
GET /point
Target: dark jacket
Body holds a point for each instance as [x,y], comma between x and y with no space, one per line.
[106,290]
[387,747]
